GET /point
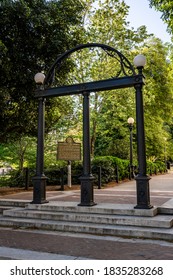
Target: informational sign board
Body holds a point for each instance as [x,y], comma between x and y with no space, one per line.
[69,150]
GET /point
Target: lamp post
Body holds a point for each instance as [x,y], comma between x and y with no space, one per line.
[131,122]
[39,180]
[142,180]
[165,153]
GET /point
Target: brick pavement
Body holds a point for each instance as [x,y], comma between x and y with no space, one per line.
[99,248]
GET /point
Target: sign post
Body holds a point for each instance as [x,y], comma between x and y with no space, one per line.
[69,174]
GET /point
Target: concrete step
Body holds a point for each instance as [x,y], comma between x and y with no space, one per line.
[166,208]
[13,202]
[2,208]
[101,208]
[6,204]
[102,219]
[159,221]
[89,228]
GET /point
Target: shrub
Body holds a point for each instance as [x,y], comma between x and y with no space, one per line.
[108,166]
[156,167]
[15,178]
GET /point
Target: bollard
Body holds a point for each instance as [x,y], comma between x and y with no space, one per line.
[99,177]
[117,173]
[26,178]
[130,173]
[62,179]
[151,172]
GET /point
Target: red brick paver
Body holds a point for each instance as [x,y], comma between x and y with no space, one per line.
[85,247]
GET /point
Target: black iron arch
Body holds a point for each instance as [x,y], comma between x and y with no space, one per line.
[125,78]
[126,68]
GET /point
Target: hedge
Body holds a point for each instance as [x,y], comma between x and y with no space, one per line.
[108,166]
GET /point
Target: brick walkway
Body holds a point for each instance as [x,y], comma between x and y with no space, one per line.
[99,248]
[87,247]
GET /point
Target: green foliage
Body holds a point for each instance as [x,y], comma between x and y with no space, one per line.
[107,23]
[19,154]
[116,106]
[33,34]
[108,165]
[166,8]
[15,178]
[54,176]
[158,96]
[156,167]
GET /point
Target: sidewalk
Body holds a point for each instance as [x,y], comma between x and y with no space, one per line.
[48,245]
[34,244]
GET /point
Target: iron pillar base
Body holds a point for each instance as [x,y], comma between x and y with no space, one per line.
[39,190]
[143,195]
[87,191]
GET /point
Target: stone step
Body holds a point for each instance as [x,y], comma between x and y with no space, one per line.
[102,208]
[166,208]
[2,208]
[165,211]
[13,202]
[159,221]
[102,219]
[6,204]
[89,228]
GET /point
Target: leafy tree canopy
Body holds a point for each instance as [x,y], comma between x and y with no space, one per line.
[35,32]
[32,34]
[166,8]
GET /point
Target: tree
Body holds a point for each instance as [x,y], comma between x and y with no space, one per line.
[106,23]
[166,8]
[19,154]
[110,110]
[158,96]
[32,35]
[116,106]
[97,21]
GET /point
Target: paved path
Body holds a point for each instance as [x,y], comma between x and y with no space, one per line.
[161,190]
[52,245]
[34,244]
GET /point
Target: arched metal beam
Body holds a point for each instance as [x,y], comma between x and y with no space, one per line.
[126,67]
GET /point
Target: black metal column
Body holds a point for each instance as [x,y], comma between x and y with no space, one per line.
[142,180]
[39,180]
[87,192]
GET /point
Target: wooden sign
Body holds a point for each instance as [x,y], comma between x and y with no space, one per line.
[69,150]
